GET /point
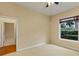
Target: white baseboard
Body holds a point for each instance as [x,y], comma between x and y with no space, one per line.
[68,47]
[33,46]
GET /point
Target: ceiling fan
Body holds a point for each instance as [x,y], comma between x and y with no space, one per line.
[51,3]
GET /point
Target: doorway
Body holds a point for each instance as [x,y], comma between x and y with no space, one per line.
[7,37]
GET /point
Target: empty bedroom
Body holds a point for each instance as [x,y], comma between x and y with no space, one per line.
[39,28]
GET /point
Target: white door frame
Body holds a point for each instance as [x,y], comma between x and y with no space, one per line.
[1,40]
[3,32]
[10,20]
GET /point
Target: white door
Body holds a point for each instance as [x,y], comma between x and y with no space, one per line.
[8,34]
[1,41]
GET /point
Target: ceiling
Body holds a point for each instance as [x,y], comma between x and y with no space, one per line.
[52,10]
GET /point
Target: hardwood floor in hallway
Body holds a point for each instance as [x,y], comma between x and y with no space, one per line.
[7,49]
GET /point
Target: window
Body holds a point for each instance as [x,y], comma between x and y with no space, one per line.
[69,28]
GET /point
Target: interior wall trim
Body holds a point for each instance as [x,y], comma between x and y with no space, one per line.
[33,46]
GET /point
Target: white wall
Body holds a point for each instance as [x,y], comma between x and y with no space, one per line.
[33,27]
[55,29]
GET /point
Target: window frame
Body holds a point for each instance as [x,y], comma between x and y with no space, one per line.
[75,17]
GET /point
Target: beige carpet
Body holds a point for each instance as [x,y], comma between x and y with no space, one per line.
[46,50]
